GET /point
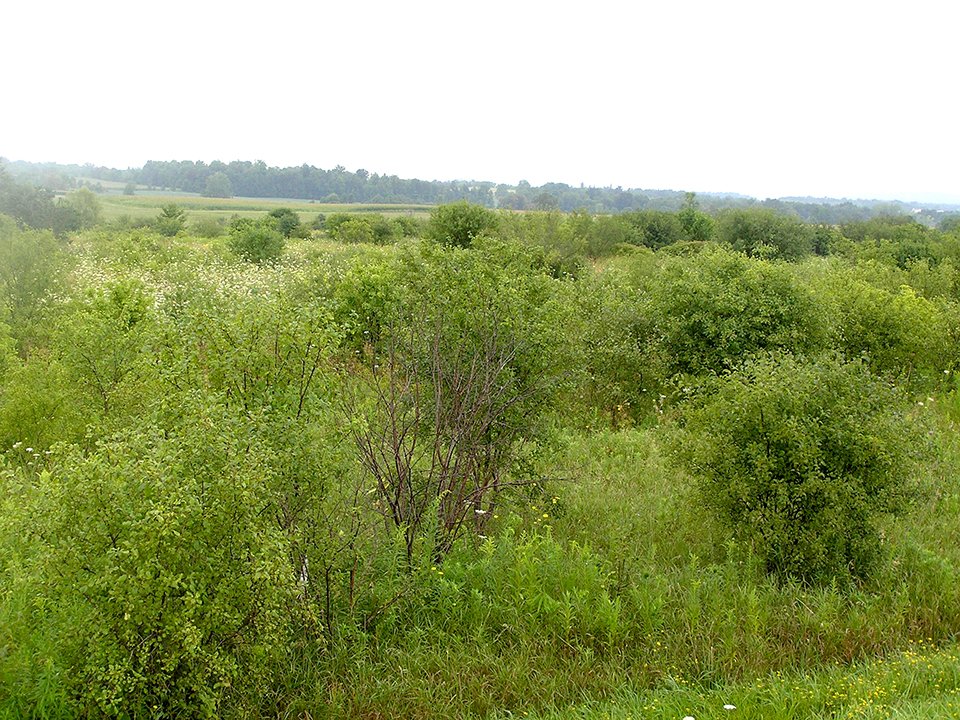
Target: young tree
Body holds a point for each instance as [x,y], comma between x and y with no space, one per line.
[87,206]
[447,399]
[168,582]
[764,233]
[171,220]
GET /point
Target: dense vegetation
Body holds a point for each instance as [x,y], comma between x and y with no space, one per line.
[489,464]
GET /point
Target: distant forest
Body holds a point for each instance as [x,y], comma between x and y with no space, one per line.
[305,182]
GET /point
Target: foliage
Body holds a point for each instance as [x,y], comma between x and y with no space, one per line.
[713,309]
[172,220]
[460,223]
[208,227]
[899,333]
[623,375]
[368,228]
[257,241]
[697,225]
[763,233]
[653,228]
[288,221]
[108,332]
[30,274]
[563,248]
[365,301]
[447,402]
[36,207]
[894,240]
[801,458]
[166,579]
[87,206]
[218,185]
[161,387]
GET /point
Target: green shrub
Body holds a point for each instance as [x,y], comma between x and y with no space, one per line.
[763,233]
[460,223]
[900,333]
[257,242]
[287,221]
[168,583]
[208,227]
[801,458]
[714,308]
[354,230]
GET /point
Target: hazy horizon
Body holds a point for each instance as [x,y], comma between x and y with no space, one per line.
[823,99]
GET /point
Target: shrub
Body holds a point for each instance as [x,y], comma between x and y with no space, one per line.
[208,227]
[257,242]
[163,572]
[713,309]
[353,231]
[460,223]
[900,333]
[802,458]
[287,221]
[764,233]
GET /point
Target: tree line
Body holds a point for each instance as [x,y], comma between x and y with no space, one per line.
[338,185]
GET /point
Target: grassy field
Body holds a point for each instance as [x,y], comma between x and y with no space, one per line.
[147,206]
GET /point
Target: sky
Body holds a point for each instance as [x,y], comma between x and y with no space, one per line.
[821,98]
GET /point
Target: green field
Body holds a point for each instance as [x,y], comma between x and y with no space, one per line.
[142,206]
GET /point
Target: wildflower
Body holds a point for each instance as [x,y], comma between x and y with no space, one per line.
[480,512]
[729,707]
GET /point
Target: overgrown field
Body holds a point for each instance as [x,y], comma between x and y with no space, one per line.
[485,465]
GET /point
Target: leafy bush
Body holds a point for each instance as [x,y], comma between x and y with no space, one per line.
[764,233]
[287,221]
[208,227]
[257,242]
[900,333]
[713,309]
[444,415]
[163,573]
[352,230]
[460,223]
[801,458]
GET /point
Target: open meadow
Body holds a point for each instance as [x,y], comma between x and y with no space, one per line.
[459,463]
[146,205]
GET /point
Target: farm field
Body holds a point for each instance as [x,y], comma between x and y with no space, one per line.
[474,464]
[143,205]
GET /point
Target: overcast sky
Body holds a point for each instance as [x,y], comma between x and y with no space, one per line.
[824,98]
